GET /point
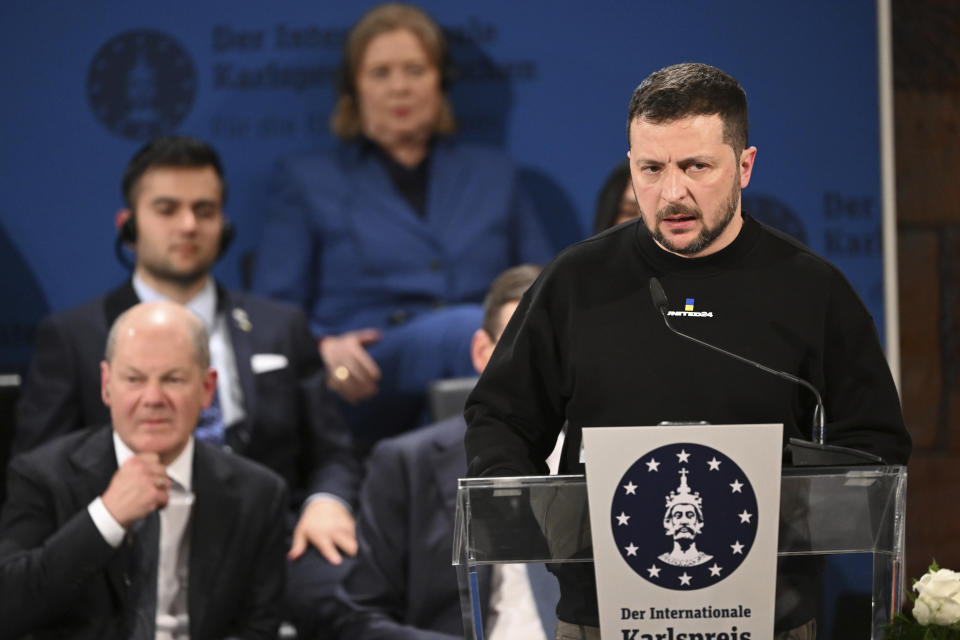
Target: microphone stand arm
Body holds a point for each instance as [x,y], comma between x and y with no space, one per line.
[819,418]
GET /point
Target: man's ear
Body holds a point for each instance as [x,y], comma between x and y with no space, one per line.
[747,156]
[481,348]
[121,218]
[209,386]
[105,382]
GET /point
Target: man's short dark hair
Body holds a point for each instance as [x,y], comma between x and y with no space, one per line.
[692,89]
[170,151]
[508,287]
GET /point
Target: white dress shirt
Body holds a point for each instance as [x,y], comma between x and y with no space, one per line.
[173,556]
[513,610]
[222,358]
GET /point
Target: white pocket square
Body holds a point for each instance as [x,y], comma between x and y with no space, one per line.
[263,362]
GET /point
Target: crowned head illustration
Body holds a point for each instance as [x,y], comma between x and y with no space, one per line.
[142,91]
[683,522]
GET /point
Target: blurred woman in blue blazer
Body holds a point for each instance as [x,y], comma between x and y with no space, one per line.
[390,241]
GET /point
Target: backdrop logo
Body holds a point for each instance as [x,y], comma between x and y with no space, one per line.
[684,516]
[141,84]
[775,213]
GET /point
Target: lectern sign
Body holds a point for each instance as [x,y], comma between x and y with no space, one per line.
[684,522]
[661,530]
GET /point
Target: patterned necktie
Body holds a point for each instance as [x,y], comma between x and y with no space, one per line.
[210,427]
[146,544]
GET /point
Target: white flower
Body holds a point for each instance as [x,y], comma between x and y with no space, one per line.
[939,599]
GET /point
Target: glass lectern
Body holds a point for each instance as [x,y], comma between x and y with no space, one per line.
[826,515]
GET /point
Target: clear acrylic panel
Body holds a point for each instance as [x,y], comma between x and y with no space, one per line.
[843,526]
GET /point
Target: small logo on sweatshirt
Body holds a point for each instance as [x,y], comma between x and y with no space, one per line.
[689,311]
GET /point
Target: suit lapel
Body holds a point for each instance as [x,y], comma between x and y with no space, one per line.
[444,192]
[240,331]
[379,206]
[215,509]
[118,301]
[95,462]
[448,463]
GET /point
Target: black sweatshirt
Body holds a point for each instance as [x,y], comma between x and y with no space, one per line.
[587,345]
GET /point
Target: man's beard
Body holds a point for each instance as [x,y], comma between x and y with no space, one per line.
[707,234]
[183,279]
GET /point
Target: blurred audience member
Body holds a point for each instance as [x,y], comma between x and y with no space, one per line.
[616,201]
[271,403]
[403,585]
[390,241]
[105,528]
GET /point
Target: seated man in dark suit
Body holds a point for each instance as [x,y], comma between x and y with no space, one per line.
[140,531]
[271,403]
[403,584]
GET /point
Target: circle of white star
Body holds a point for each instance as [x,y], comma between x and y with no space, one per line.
[683,456]
[631,488]
[631,549]
[652,465]
[714,464]
[745,516]
[684,579]
[737,548]
[654,571]
[736,486]
[715,569]
[622,519]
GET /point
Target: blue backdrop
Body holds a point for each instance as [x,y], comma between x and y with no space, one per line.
[85,86]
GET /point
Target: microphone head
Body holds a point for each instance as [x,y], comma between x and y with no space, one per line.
[658,295]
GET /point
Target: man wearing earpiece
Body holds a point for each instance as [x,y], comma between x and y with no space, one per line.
[271,402]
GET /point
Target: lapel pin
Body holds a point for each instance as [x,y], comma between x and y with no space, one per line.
[242,320]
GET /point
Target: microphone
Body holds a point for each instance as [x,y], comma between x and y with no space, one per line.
[659,299]
[660,302]
[812,453]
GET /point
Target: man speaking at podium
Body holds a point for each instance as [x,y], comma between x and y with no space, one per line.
[588,345]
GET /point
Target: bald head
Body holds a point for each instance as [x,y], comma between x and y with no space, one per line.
[156,378]
[161,315]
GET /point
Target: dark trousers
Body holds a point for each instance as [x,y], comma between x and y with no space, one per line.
[309,602]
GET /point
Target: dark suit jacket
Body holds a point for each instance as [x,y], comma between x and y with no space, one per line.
[403,585]
[60,579]
[292,424]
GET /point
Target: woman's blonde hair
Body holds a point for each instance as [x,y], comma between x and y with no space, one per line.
[345,120]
